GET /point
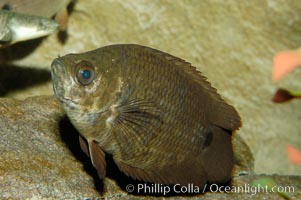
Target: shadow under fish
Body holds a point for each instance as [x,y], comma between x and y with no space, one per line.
[15,77]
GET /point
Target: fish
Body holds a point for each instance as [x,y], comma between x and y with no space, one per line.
[45,8]
[155,114]
[16,27]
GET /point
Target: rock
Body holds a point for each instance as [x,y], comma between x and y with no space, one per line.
[244,160]
[41,158]
[231,42]
[35,162]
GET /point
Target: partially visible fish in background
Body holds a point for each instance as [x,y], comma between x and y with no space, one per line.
[16,27]
[154,113]
[45,8]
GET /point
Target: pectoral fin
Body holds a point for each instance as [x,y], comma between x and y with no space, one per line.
[137,120]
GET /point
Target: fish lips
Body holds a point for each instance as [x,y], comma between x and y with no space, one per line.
[60,78]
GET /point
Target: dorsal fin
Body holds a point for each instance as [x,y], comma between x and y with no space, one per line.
[222,114]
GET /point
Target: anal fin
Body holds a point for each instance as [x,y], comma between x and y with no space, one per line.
[138,173]
[173,174]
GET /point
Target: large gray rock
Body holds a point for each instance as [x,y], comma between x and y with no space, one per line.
[41,158]
[34,160]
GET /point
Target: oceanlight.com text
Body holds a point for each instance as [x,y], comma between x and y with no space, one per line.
[194,189]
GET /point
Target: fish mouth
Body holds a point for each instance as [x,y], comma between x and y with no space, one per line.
[74,104]
[67,101]
[58,74]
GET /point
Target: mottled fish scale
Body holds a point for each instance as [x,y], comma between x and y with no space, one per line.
[170,118]
[170,96]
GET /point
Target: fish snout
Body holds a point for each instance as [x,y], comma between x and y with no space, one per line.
[57,68]
[58,73]
[48,25]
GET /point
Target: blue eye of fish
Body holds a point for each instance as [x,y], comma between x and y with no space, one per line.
[85,74]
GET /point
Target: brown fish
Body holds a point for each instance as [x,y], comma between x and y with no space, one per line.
[154,113]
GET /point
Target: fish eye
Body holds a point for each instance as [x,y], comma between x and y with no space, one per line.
[85,73]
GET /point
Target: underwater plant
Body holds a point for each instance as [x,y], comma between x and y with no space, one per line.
[283,63]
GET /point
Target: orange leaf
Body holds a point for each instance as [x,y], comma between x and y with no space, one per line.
[294,154]
[285,62]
